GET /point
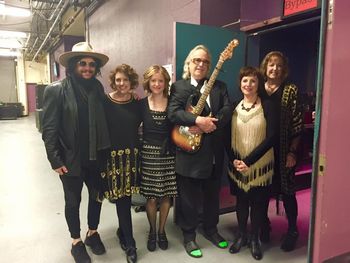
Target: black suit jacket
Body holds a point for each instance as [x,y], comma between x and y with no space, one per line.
[200,164]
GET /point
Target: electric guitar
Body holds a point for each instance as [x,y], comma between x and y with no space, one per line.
[180,134]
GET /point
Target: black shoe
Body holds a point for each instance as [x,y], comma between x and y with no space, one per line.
[255,249]
[151,242]
[95,243]
[193,249]
[79,253]
[290,241]
[265,233]
[121,239]
[240,241]
[131,256]
[163,241]
[217,240]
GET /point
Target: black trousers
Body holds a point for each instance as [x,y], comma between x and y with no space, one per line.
[123,206]
[198,196]
[253,203]
[72,187]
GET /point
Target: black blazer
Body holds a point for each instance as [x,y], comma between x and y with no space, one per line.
[60,126]
[200,164]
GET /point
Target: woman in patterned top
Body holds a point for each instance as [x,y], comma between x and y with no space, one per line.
[251,157]
[158,182]
[120,172]
[274,68]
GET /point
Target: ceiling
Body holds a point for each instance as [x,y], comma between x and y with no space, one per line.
[48,22]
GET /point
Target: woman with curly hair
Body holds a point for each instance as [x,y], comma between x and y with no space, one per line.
[120,170]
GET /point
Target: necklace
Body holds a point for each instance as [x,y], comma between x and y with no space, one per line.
[251,107]
[270,88]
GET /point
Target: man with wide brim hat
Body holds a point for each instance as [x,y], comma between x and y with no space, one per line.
[82,49]
[74,132]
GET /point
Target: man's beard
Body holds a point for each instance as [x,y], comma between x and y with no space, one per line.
[84,81]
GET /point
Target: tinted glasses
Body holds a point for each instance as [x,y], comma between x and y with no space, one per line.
[83,63]
[197,61]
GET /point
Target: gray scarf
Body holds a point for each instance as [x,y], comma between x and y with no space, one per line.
[91,91]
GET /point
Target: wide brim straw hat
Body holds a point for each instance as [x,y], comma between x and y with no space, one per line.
[82,49]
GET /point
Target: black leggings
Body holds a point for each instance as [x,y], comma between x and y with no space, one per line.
[254,199]
[291,208]
[123,206]
[72,186]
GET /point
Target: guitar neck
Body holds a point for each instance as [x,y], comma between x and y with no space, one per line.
[201,102]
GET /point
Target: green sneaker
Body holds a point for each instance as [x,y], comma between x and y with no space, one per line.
[217,240]
[193,249]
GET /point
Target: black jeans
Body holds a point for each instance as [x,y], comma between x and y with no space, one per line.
[72,186]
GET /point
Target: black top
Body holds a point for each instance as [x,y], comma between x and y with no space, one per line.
[83,119]
[123,121]
[275,98]
[154,132]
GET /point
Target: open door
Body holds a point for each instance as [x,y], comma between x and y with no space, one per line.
[330,220]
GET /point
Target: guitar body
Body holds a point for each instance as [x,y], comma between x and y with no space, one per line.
[184,139]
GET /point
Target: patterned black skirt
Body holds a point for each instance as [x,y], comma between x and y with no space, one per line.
[158,177]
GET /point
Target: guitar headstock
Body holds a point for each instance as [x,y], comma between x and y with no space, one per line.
[228,52]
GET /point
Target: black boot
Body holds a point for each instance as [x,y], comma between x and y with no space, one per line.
[240,241]
[79,253]
[290,241]
[131,256]
[255,248]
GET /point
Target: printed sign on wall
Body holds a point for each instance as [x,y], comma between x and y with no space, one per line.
[292,7]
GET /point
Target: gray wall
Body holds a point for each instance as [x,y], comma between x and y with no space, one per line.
[8,92]
[139,32]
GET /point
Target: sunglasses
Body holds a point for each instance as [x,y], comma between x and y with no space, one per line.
[197,61]
[83,63]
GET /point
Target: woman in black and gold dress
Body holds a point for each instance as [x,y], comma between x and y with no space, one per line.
[158,183]
[120,173]
[285,97]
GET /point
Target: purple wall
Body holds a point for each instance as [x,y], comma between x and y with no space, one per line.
[220,12]
[139,33]
[253,11]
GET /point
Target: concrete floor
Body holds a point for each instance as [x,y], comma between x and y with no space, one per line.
[33,228]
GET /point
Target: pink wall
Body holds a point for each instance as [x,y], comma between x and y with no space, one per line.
[332,227]
[31,97]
